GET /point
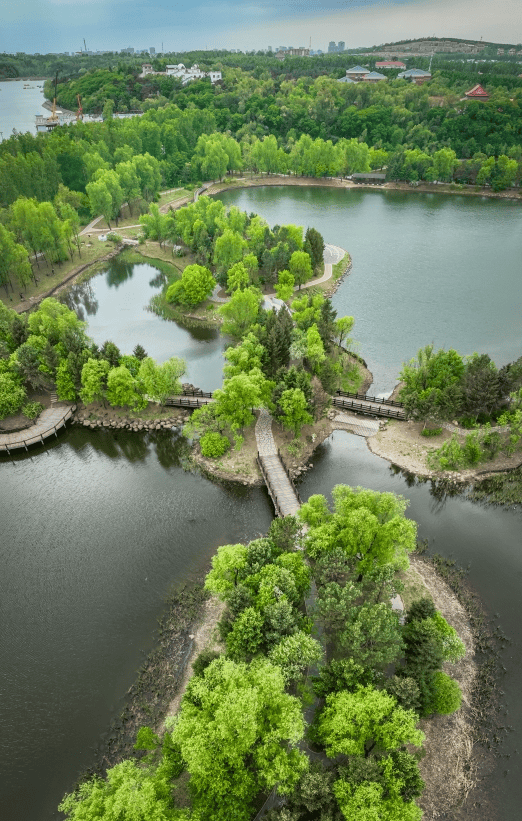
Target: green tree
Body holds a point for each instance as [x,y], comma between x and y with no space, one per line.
[123,389]
[300,266]
[228,249]
[156,226]
[314,347]
[314,246]
[285,285]
[161,381]
[14,261]
[343,326]
[368,526]
[240,312]
[295,414]
[237,278]
[448,696]
[130,792]
[94,380]
[194,287]
[238,731]
[239,395]
[12,394]
[294,653]
[65,387]
[359,723]
[228,566]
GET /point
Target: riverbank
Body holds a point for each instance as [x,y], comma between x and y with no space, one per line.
[335,182]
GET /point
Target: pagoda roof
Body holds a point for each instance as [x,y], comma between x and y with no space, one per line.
[477,91]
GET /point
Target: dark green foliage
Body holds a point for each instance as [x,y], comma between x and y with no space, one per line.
[328,375]
[279,620]
[146,739]
[275,334]
[420,609]
[201,662]
[288,379]
[239,599]
[341,674]
[111,353]
[312,800]
[405,690]
[139,352]
[172,757]
[283,533]
[358,770]
[405,770]
[314,246]
[260,552]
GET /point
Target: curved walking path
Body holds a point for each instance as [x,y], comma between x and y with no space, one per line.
[49,422]
[332,254]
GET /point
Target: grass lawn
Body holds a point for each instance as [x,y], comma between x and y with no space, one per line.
[91,251]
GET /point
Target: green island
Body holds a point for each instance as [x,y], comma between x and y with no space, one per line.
[317,687]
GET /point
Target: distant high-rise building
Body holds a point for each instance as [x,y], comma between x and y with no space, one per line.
[332,48]
[152,50]
[269,48]
[340,45]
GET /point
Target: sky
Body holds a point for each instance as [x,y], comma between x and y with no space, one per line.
[61,25]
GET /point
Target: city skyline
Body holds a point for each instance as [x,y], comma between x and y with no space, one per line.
[47,26]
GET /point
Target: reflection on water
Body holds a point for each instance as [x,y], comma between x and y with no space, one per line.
[115,305]
[95,529]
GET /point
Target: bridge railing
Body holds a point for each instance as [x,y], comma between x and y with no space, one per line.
[271,490]
[288,475]
[369,411]
[370,398]
[197,393]
[184,402]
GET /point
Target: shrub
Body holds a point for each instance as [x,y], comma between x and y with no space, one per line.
[431,432]
[452,646]
[448,696]
[421,609]
[213,445]
[32,409]
[206,657]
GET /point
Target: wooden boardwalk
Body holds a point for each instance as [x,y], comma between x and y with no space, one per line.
[49,423]
[369,405]
[279,484]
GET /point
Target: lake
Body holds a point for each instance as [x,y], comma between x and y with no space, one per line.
[19,105]
[97,526]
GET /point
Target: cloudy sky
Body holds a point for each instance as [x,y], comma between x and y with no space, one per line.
[60,25]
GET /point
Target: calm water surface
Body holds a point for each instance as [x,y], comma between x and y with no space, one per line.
[96,527]
[19,105]
[114,303]
[426,268]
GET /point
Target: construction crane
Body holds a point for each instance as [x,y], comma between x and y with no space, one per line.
[79,112]
[52,121]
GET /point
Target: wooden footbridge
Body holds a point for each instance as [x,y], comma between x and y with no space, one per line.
[48,424]
[369,405]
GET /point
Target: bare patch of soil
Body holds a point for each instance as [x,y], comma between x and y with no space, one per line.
[448,767]
[20,422]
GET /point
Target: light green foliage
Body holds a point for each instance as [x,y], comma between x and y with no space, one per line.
[246,635]
[194,287]
[56,322]
[293,654]
[161,381]
[453,647]
[307,310]
[129,793]
[213,445]
[227,569]
[271,583]
[94,380]
[238,731]
[156,226]
[448,696]
[240,312]
[368,802]
[12,394]
[229,249]
[343,326]
[367,525]
[356,723]
[123,389]
[65,387]
[244,357]
[14,260]
[295,414]
[285,285]
[241,393]
[296,564]
[32,409]
[300,266]
[237,278]
[314,347]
